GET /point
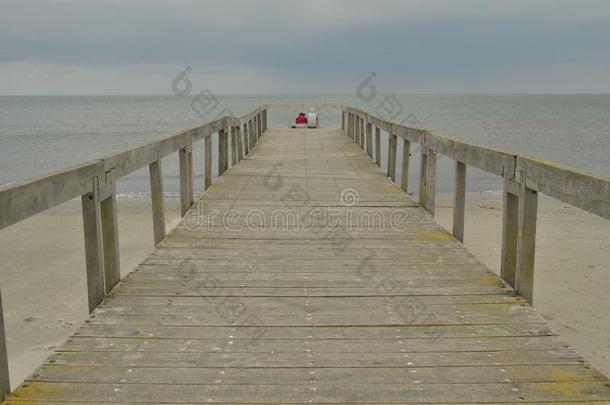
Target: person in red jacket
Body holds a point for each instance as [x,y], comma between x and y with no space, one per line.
[301,121]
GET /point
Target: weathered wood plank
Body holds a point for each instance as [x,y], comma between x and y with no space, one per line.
[186,174]
[94,255]
[584,190]
[5,382]
[526,240]
[459,200]
[158,201]
[378,146]
[110,236]
[19,201]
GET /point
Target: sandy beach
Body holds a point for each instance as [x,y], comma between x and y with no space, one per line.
[43,278]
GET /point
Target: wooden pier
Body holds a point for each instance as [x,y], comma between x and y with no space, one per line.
[305,275]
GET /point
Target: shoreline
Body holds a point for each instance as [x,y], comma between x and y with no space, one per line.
[43,277]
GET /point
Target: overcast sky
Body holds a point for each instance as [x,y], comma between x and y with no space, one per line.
[307,46]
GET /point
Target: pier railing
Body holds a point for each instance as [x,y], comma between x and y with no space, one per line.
[523,176]
[95,184]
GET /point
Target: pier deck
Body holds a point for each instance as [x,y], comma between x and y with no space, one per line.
[304,275]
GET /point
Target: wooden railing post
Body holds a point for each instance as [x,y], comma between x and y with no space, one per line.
[246,140]
[110,234]
[356,128]
[378,146]
[349,124]
[427,179]
[510,231]
[233,145]
[186,168]
[423,167]
[239,143]
[5,381]
[343,120]
[369,139]
[252,134]
[361,134]
[94,259]
[264,115]
[430,202]
[158,202]
[225,150]
[221,152]
[392,140]
[406,157]
[459,200]
[246,145]
[526,240]
[207,151]
[259,124]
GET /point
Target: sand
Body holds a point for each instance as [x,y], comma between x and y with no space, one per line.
[43,278]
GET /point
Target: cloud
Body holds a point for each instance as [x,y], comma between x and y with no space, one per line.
[126,46]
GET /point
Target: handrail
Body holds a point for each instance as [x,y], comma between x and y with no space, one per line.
[524,177]
[95,183]
[588,191]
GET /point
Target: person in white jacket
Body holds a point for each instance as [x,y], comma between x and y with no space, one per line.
[312,118]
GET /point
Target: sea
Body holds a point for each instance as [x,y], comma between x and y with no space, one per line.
[39,134]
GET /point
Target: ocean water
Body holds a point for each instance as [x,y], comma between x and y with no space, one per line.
[43,133]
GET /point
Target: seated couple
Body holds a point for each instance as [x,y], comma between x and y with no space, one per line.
[309,120]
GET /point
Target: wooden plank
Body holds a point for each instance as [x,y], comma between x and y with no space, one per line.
[185,179]
[94,255]
[369,139]
[239,143]
[221,152]
[325,392]
[251,134]
[459,200]
[350,124]
[246,139]
[207,150]
[259,124]
[392,140]
[158,201]
[510,233]
[5,382]
[110,236]
[362,132]
[233,146]
[281,359]
[588,191]
[430,200]
[378,146]
[406,157]
[526,240]
[394,375]
[21,200]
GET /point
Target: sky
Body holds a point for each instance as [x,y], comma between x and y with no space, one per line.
[304,47]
